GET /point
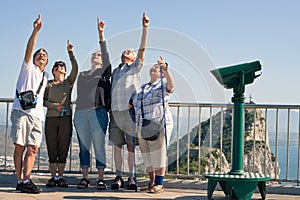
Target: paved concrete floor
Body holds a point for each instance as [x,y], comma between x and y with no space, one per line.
[174,189]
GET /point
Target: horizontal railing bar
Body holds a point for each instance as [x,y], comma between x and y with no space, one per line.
[183,104]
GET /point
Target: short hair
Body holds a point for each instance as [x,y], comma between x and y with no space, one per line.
[125,51]
[39,50]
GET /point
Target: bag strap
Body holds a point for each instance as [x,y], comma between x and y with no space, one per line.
[142,107]
[163,103]
[41,84]
[39,89]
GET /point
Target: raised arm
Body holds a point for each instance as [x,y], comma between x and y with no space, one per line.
[32,40]
[101,26]
[141,51]
[170,82]
[74,70]
[104,53]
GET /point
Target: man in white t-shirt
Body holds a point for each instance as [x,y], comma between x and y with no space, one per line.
[26,130]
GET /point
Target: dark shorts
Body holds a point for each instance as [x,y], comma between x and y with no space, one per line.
[122,128]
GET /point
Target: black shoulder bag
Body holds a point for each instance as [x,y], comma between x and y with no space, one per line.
[27,98]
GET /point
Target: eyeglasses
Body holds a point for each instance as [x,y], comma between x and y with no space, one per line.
[96,54]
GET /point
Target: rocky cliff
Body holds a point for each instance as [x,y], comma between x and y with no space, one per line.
[256,143]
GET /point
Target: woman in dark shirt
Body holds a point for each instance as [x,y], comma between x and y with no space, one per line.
[58,124]
[91,117]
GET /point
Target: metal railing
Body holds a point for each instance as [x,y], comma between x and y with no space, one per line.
[282,130]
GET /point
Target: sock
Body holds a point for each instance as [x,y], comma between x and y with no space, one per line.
[119,173]
[26,181]
[159,180]
[20,181]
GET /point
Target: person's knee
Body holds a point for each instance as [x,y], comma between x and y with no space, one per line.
[32,150]
[19,150]
[130,148]
[118,149]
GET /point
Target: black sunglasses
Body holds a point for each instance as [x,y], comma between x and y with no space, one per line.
[60,64]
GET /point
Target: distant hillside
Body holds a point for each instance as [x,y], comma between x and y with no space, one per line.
[226,143]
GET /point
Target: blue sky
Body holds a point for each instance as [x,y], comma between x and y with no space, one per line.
[193,36]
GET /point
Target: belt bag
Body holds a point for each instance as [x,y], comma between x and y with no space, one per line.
[151,129]
[27,98]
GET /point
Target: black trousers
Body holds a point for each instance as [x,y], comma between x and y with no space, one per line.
[58,131]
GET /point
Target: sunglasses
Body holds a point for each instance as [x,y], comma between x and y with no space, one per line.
[60,65]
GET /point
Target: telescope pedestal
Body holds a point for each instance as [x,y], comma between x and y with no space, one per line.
[237,186]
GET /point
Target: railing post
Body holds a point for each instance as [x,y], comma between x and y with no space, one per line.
[189,141]
[221,136]
[177,143]
[199,141]
[288,144]
[6,135]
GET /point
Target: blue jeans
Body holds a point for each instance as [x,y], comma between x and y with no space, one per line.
[91,126]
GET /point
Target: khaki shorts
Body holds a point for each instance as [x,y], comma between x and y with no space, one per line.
[122,128]
[26,129]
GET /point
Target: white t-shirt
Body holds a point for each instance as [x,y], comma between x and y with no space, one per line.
[30,78]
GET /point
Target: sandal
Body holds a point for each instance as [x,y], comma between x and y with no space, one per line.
[84,183]
[147,187]
[118,183]
[101,185]
[51,182]
[156,189]
[132,184]
[62,183]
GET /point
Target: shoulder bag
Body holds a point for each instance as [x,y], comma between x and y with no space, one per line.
[27,98]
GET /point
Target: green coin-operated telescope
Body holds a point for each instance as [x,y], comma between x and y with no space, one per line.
[237,183]
[236,77]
